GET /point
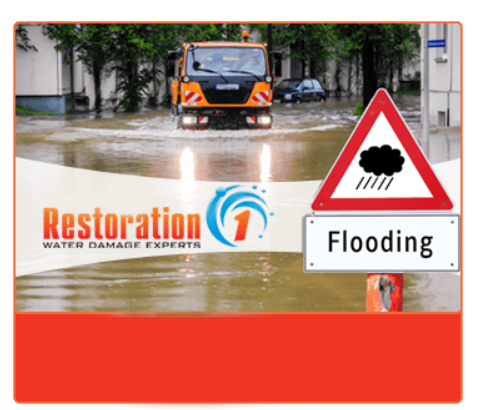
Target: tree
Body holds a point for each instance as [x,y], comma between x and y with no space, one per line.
[312,44]
[21,38]
[94,41]
[406,46]
[269,34]
[160,39]
[139,51]
[362,38]
[381,47]
[91,42]
[135,51]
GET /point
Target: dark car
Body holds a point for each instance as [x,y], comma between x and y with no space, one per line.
[299,90]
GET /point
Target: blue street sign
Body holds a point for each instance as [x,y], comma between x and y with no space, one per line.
[436,43]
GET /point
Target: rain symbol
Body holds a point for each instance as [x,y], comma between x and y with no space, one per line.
[380,161]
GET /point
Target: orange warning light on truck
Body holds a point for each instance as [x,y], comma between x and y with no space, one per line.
[223,85]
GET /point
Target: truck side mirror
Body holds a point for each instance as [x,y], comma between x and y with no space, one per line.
[170,68]
[278,62]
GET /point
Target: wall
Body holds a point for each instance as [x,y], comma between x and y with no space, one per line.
[38,72]
[445,76]
[43,77]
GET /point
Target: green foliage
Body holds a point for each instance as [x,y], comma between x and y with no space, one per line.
[91,42]
[22,110]
[138,51]
[408,92]
[384,48]
[133,45]
[129,43]
[166,99]
[66,36]
[359,109]
[313,44]
[208,32]
[21,38]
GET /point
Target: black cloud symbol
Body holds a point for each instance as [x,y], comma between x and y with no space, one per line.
[382,160]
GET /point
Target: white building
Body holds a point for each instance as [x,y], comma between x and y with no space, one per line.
[445,76]
[43,82]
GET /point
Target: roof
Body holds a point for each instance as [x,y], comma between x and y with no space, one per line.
[227,43]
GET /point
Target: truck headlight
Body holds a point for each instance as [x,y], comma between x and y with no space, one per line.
[188,120]
[287,96]
[264,120]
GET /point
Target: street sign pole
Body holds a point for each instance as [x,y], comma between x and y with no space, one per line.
[381,170]
[385,292]
[425,93]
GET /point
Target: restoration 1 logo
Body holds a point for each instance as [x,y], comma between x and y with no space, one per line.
[227,202]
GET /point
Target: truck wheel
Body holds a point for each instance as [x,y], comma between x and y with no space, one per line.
[299,100]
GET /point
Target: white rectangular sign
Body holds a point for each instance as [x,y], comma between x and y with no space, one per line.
[382,243]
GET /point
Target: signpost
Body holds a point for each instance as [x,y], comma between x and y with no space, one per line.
[382,243]
[381,168]
[382,209]
[436,43]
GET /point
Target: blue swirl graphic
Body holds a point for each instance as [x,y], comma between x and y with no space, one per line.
[235,198]
[212,211]
[257,207]
[221,203]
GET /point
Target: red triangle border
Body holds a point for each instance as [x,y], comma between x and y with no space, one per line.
[381,103]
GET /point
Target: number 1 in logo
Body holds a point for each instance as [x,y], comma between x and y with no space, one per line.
[242,226]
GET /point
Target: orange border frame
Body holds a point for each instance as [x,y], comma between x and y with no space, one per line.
[234,314]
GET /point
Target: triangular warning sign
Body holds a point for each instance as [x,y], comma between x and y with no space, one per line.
[381,168]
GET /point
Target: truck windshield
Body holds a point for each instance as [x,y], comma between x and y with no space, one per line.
[226,60]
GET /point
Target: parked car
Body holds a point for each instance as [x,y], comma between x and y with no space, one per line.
[299,90]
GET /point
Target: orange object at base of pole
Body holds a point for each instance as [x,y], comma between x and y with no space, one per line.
[384,292]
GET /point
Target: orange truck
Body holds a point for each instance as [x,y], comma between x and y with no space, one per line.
[221,85]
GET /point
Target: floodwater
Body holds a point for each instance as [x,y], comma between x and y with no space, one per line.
[303,144]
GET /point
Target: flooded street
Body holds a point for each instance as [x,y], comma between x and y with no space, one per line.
[302,146]
[151,145]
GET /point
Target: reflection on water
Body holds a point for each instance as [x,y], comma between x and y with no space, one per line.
[187,165]
[188,177]
[265,164]
[303,145]
[222,282]
[235,282]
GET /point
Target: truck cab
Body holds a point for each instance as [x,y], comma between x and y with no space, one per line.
[221,85]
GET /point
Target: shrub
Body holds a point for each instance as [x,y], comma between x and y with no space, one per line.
[359,109]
